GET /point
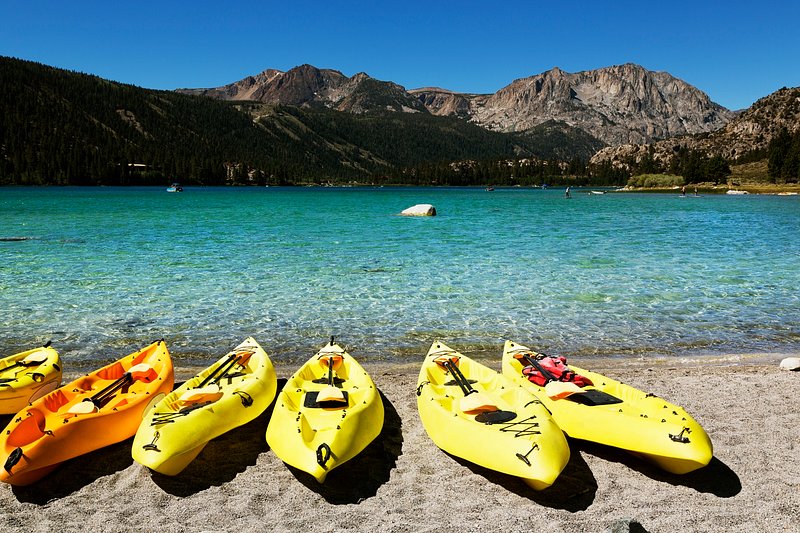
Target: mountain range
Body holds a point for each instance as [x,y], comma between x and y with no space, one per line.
[311,125]
[616,105]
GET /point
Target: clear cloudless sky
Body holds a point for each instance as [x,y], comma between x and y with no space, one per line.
[735,51]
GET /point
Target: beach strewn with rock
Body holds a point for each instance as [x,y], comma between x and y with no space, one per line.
[403,482]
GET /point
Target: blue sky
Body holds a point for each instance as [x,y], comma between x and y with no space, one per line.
[734,51]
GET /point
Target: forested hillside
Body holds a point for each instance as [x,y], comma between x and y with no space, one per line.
[61,127]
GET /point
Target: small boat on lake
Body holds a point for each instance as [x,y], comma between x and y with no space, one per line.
[175,187]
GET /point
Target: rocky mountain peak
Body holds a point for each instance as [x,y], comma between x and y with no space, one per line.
[309,85]
[618,104]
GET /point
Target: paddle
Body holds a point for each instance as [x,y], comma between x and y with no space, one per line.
[209,391]
[555,389]
[142,371]
[473,400]
[227,365]
[330,393]
[32,359]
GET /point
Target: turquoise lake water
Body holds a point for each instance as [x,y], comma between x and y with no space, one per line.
[107,270]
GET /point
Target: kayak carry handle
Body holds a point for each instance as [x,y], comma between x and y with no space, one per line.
[13,459]
[324,454]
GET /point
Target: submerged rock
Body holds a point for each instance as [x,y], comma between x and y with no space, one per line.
[790,363]
[419,210]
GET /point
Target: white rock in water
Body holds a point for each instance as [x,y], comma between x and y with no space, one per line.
[419,210]
[790,363]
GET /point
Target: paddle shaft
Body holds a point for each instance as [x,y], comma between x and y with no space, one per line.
[103,395]
[227,365]
[128,377]
[21,363]
[330,371]
[459,378]
[26,362]
[15,365]
[548,376]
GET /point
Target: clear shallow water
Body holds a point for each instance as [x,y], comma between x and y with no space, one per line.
[106,270]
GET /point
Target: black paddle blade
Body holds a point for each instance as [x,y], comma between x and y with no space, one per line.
[310,401]
[495,417]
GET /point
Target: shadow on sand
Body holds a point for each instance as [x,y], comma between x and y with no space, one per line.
[361,477]
[77,473]
[716,478]
[223,458]
[574,490]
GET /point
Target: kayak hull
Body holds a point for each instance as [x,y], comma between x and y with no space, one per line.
[21,385]
[66,423]
[640,423]
[529,446]
[317,437]
[176,430]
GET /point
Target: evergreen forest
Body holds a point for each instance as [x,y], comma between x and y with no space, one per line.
[59,127]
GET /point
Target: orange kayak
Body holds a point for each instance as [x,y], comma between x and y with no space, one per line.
[101,408]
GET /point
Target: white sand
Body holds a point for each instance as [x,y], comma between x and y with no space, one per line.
[402,482]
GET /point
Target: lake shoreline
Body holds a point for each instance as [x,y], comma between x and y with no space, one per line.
[403,483]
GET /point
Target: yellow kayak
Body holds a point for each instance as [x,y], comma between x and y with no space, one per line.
[228,394]
[26,376]
[101,408]
[473,412]
[326,414]
[612,413]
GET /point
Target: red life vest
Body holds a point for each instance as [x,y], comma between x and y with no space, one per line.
[557,367]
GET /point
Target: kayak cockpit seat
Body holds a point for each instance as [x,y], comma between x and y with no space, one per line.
[594,397]
[313,401]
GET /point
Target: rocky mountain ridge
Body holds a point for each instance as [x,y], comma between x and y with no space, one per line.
[617,105]
[308,85]
[750,131]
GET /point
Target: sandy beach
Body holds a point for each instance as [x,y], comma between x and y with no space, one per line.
[403,483]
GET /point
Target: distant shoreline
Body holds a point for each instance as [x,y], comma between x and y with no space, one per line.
[767,189]
[783,189]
